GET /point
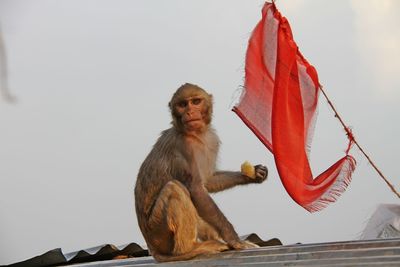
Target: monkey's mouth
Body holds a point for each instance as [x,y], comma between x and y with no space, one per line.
[194,124]
[193,120]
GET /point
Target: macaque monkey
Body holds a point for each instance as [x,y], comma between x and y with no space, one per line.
[178,218]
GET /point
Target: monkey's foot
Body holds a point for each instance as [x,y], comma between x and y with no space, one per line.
[244,245]
[215,246]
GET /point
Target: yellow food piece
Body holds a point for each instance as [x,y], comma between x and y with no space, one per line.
[248,169]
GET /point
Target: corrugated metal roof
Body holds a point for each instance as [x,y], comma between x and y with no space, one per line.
[56,257]
[350,253]
[380,252]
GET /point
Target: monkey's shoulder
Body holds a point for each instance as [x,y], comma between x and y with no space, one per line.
[166,152]
[169,142]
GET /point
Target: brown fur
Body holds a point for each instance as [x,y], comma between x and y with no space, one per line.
[178,218]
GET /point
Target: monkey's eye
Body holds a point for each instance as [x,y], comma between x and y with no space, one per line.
[196,101]
[182,104]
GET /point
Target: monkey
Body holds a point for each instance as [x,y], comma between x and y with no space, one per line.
[176,214]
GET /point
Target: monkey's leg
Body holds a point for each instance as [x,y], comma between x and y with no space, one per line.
[175,213]
[182,220]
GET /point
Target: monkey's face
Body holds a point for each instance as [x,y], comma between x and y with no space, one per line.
[192,113]
[191,109]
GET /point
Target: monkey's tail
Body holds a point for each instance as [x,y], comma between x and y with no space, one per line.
[207,247]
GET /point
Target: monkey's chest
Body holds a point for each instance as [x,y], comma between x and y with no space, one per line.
[206,163]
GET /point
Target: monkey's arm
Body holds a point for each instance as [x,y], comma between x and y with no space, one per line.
[223,180]
[209,211]
[206,207]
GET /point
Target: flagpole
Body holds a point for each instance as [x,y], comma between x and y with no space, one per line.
[351,137]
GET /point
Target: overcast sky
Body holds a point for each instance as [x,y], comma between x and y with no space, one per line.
[92,79]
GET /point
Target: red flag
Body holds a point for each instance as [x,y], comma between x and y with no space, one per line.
[279,104]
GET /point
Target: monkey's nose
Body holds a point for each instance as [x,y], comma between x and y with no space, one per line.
[189,112]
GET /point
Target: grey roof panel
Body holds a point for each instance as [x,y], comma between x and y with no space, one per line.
[56,257]
[380,252]
[349,253]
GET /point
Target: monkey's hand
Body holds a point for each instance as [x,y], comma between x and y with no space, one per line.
[257,174]
[240,244]
[261,173]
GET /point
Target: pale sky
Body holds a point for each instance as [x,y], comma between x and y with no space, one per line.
[92,79]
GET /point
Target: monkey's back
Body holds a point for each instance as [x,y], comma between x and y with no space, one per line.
[163,164]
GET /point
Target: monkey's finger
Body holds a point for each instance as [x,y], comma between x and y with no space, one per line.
[261,174]
[259,166]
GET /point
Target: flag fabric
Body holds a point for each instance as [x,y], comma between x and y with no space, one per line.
[279,103]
